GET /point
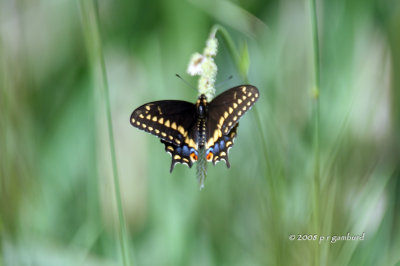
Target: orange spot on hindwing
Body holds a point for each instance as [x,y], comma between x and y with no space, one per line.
[209,156]
[193,156]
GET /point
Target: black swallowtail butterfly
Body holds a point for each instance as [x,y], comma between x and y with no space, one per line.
[185,127]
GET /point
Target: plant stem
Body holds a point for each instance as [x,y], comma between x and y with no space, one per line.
[90,19]
[316,114]
[231,47]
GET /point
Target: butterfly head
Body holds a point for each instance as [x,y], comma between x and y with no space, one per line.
[201,106]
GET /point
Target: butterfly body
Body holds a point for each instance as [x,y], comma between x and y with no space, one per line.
[185,128]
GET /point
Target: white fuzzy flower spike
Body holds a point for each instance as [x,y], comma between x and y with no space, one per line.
[203,65]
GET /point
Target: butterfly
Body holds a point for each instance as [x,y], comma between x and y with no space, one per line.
[185,128]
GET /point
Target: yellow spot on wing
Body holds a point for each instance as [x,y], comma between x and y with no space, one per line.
[181,130]
[170,148]
[173,125]
[222,154]
[221,121]
[226,114]
[161,120]
[133,120]
[256,95]
[190,143]
[210,142]
[244,89]
[151,129]
[163,134]
[177,157]
[240,101]
[215,136]
[235,105]
[148,107]
[230,110]
[141,116]
[166,123]
[157,131]
[154,118]
[170,137]
[148,117]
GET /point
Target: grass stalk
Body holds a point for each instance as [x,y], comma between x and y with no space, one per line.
[231,48]
[90,20]
[316,117]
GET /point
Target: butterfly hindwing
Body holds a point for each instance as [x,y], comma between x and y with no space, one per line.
[179,154]
[169,120]
[221,147]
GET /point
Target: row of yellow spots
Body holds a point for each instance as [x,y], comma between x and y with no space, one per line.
[234,106]
[161,121]
[166,123]
[230,143]
[151,129]
[178,157]
[171,150]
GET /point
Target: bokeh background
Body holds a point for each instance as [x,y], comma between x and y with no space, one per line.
[57,196]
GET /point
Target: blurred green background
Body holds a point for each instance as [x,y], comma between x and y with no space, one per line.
[57,200]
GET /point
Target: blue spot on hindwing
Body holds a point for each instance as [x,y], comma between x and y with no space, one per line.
[216,148]
[185,151]
[193,150]
[222,144]
[178,150]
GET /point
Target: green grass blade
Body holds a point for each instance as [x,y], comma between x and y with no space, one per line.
[90,21]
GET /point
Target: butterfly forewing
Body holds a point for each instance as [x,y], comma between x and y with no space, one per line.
[228,107]
[169,120]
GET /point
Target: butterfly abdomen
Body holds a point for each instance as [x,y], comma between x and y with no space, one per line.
[201,124]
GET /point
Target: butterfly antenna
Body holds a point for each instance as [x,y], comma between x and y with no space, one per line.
[187,83]
[222,82]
